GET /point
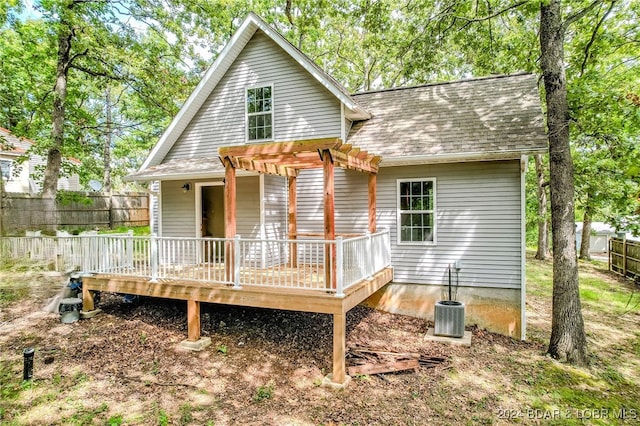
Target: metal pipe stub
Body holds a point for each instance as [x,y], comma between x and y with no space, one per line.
[27,371]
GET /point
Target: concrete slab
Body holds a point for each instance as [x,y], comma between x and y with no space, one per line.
[461,341]
[327,382]
[89,314]
[195,346]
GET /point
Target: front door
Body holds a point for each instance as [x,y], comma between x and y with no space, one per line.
[212,219]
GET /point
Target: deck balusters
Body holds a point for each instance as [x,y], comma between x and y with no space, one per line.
[153,261]
[257,262]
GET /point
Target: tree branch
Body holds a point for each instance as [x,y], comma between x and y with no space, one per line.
[493,15]
[96,73]
[594,34]
[579,15]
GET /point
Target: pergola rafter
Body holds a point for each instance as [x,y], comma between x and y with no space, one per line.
[288,158]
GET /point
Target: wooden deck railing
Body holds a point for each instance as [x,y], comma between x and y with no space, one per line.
[624,257]
[296,264]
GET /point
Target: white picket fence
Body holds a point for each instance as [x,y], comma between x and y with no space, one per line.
[296,263]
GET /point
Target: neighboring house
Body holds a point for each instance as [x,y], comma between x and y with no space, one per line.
[18,166]
[600,234]
[450,183]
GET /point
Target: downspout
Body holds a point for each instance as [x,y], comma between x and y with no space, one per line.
[523,248]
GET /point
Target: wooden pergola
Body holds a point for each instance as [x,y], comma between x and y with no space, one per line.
[287,159]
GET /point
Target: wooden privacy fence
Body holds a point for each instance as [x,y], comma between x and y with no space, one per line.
[624,257]
[22,212]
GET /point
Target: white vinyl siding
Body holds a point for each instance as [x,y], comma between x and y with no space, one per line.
[303,108]
[275,207]
[179,208]
[478,217]
[154,187]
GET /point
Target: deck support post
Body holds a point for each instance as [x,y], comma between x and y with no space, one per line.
[193,320]
[87,300]
[229,217]
[372,202]
[293,227]
[339,348]
[329,219]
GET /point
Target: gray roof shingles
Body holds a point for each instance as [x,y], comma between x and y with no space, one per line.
[481,118]
[476,117]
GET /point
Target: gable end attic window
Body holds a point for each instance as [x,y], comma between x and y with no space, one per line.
[416,219]
[259,108]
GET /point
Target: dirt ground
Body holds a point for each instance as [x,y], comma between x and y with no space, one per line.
[264,367]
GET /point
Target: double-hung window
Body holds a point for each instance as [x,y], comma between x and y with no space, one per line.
[260,113]
[417,211]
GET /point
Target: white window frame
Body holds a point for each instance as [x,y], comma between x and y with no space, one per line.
[400,211]
[247,114]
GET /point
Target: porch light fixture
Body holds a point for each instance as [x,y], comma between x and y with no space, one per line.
[186,187]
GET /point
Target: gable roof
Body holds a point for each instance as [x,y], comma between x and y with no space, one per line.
[496,117]
[490,118]
[216,72]
[13,145]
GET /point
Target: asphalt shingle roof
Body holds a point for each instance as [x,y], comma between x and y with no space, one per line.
[480,116]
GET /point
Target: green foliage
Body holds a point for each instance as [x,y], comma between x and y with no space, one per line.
[222,349]
[116,420]
[264,392]
[163,418]
[186,415]
[69,197]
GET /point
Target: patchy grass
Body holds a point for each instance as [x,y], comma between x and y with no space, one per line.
[137,230]
[266,367]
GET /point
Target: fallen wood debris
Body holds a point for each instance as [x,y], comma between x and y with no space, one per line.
[366,361]
[385,367]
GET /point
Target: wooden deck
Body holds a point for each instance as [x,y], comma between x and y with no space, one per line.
[261,296]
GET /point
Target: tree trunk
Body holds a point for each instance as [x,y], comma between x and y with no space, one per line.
[568,341]
[106,182]
[543,224]
[585,241]
[54,155]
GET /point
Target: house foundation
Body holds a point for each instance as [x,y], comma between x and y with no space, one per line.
[494,309]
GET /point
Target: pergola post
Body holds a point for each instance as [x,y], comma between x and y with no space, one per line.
[329,219]
[293,217]
[229,217]
[372,202]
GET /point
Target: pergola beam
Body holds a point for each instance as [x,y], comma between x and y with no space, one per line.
[279,148]
[287,158]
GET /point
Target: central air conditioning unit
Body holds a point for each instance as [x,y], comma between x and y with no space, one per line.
[449,314]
